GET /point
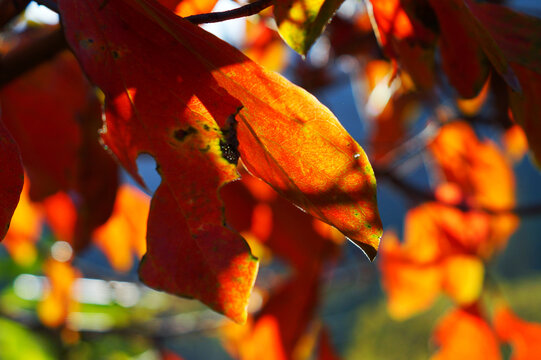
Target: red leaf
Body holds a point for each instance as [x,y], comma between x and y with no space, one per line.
[462,58]
[54,115]
[405,38]
[171,94]
[11,173]
[215,265]
[517,35]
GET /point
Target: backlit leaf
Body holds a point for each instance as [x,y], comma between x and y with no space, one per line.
[301,22]
[196,109]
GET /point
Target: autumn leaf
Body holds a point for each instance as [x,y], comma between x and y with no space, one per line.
[58,301]
[463,60]
[516,35]
[11,173]
[404,37]
[301,22]
[196,112]
[123,235]
[464,334]
[293,236]
[473,164]
[443,251]
[524,337]
[25,229]
[54,115]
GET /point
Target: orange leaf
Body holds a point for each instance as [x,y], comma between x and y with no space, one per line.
[515,142]
[124,233]
[411,287]
[58,301]
[464,335]
[25,230]
[474,165]
[200,92]
[524,337]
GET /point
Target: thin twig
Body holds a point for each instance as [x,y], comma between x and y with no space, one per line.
[246,10]
[9,9]
[422,195]
[26,57]
[51,4]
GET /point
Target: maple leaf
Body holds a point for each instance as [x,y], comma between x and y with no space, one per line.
[169,93]
[12,178]
[301,22]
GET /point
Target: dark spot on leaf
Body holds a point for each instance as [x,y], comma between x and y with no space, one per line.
[181,134]
[205,149]
[115,54]
[206,127]
[229,144]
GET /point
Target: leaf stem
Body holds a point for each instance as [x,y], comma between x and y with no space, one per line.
[246,10]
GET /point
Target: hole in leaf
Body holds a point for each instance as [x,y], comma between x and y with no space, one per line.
[147,167]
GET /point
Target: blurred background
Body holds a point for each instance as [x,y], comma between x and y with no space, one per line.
[96,308]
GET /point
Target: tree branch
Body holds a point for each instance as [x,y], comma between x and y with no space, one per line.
[423,195]
[11,8]
[26,57]
[246,10]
